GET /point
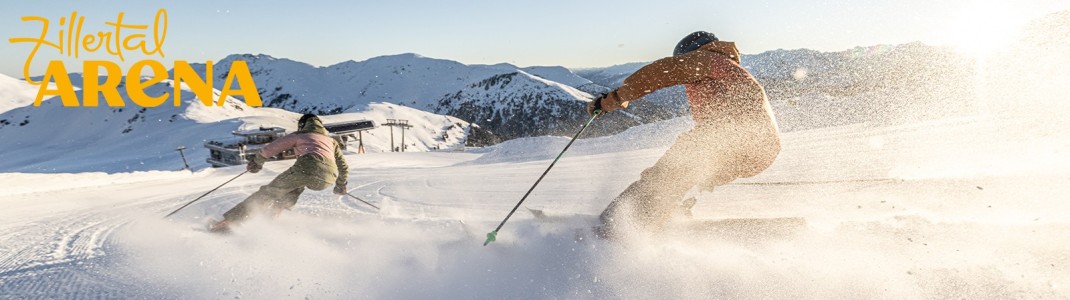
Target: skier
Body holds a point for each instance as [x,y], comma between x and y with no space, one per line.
[735,133]
[319,163]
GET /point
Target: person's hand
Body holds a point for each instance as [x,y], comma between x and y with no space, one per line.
[606,103]
[595,106]
[253,167]
[340,189]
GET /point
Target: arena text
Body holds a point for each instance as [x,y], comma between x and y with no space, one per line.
[116,41]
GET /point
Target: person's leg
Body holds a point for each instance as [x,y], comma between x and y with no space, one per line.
[650,202]
[285,202]
[278,188]
[307,172]
[686,205]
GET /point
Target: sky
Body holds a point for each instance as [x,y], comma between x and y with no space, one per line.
[575,34]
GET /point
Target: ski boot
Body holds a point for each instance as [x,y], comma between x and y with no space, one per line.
[221,227]
[686,205]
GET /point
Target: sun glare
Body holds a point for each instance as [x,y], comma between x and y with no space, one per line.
[982,28]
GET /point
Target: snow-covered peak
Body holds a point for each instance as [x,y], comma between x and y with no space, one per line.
[403,59]
[249,57]
[15,93]
[517,104]
[500,66]
[400,57]
[558,74]
[259,64]
[567,88]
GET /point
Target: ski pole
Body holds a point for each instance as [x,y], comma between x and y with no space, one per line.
[206,194]
[493,235]
[362,200]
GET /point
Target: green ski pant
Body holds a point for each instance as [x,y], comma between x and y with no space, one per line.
[283,191]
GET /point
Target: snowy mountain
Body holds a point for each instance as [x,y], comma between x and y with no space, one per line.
[52,138]
[612,76]
[953,208]
[885,84]
[518,104]
[504,101]
[879,85]
[405,79]
[15,93]
[567,77]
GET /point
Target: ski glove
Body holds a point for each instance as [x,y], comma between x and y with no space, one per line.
[253,167]
[340,189]
[606,103]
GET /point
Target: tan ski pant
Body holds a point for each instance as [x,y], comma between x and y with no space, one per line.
[700,157]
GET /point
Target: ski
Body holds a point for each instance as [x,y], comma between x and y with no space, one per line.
[586,226]
[736,229]
[210,227]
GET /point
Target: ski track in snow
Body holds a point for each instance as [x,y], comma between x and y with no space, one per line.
[881,224]
[67,250]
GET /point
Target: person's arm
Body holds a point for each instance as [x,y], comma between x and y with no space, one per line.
[275,147]
[713,61]
[343,167]
[688,68]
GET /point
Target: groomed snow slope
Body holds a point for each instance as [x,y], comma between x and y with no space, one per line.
[935,210]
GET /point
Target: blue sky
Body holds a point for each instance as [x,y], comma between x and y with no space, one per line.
[575,33]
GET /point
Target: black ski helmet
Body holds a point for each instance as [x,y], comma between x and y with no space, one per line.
[693,41]
[304,119]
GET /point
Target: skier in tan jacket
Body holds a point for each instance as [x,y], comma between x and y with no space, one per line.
[735,133]
[319,164]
